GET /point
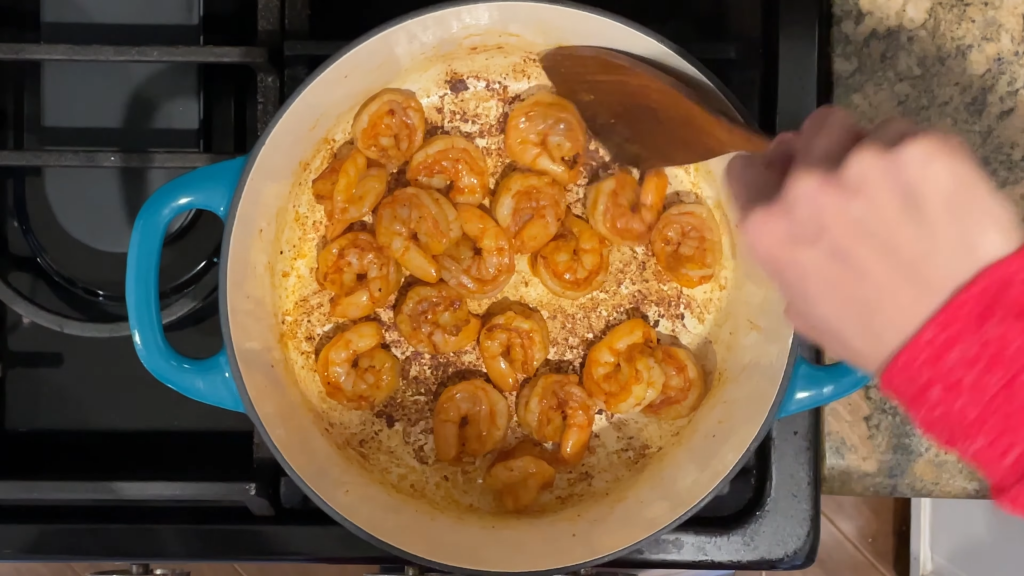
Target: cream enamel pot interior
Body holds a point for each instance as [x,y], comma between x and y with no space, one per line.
[760,377]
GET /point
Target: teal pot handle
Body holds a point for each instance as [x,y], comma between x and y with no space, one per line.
[209,188]
[814,385]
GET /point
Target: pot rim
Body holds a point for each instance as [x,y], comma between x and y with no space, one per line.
[225,323]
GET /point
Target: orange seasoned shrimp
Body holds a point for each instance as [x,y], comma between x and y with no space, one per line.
[470,418]
[621,371]
[481,262]
[355,370]
[451,160]
[359,273]
[545,133]
[513,343]
[574,263]
[688,244]
[519,476]
[684,384]
[530,207]
[433,318]
[624,211]
[348,190]
[555,408]
[414,225]
[389,127]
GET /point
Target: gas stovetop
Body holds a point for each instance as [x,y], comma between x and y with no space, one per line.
[101,102]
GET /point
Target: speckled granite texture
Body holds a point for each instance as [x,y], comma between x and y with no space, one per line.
[955,65]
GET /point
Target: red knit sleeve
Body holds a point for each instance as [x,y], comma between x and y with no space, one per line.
[961,378]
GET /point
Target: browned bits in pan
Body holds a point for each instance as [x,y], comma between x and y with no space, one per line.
[457,85]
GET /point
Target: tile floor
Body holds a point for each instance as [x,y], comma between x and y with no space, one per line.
[861,537]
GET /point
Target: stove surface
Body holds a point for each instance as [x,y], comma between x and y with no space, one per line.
[101,102]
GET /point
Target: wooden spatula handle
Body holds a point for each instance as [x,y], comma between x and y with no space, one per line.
[742,139]
[718,135]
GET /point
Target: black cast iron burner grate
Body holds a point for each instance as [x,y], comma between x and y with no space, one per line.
[76,307]
[179,496]
[268,94]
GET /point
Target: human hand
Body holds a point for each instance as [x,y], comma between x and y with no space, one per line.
[868,232]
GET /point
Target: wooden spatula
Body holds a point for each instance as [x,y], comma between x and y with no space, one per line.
[645,117]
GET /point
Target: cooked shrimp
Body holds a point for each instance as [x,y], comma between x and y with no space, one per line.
[621,371]
[359,273]
[684,384]
[530,207]
[555,408]
[451,160]
[355,370]
[519,476]
[688,244]
[414,225]
[574,263]
[433,318]
[389,126]
[545,133]
[480,263]
[470,418]
[513,343]
[624,211]
[348,190]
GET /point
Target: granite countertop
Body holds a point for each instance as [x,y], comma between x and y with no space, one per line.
[955,65]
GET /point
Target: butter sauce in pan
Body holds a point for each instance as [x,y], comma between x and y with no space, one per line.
[462,109]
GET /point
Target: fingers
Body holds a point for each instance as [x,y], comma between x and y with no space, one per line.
[808,194]
[747,176]
[829,135]
[947,166]
[776,233]
[891,132]
[824,143]
[780,155]
[826,137]
[755,179]
[867,167]
[946,156]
